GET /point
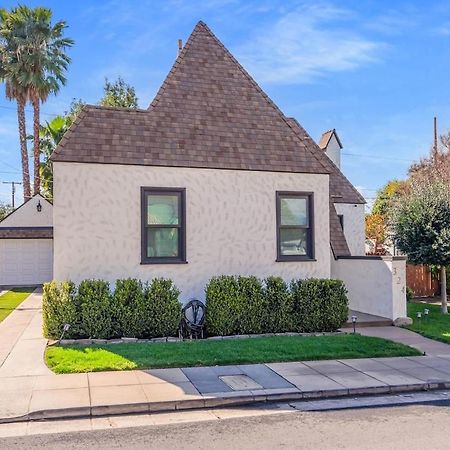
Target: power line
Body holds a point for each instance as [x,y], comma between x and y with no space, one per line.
[387,158]
[29,111]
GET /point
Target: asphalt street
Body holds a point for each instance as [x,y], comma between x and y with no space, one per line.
[416,426]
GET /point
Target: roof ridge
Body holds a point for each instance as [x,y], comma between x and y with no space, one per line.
[321,154]
[260,90]
[115,108]
[176,64]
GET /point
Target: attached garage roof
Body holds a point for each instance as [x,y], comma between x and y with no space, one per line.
[26,232]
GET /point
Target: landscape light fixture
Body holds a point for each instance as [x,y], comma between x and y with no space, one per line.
[426,312]
[419,315]
[39,206]
[354,319]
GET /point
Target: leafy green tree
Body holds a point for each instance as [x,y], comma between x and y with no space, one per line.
[41,49]
[75,108]
[11,67]
[421,227]
[5,209]
[120,94]
[49,137]
[386,196]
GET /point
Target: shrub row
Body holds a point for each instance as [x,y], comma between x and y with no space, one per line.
[93,311]
[235,305]
[247,305]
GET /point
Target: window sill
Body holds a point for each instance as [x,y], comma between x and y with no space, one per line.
[152,263]
[296,260]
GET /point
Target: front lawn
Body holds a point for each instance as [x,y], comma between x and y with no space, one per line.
[12,299]
[435,326]
[72,359]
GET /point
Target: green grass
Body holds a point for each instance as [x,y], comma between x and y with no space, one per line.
[73,359]
[12,299]
[435,326]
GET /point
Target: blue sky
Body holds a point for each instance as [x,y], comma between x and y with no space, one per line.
[377,71]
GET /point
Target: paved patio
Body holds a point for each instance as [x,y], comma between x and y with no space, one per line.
[29,390]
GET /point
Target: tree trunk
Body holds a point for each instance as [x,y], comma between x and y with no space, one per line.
[23,150]
[444,290]
[36,147]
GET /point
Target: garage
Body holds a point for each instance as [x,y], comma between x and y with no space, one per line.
[26,244]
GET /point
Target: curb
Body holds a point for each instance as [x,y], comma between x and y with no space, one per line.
[231,399]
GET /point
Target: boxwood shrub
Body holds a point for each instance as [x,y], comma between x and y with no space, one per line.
[134,309]
[247,305]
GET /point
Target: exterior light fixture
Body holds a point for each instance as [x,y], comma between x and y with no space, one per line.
[39,206]
[354,319]
[419,315]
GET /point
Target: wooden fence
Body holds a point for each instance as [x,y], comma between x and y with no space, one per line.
[422,282]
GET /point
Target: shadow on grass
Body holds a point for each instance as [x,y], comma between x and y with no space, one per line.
[126,356]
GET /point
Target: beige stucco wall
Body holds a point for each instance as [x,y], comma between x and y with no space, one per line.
[375,285]
[28,216]
[353,226]
[231,223]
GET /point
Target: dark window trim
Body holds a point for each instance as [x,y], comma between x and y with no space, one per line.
[341,220]
[181,258]
[310,229]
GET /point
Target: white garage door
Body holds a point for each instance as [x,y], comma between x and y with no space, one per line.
[26,261]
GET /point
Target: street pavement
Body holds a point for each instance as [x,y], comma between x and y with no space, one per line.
[408,427]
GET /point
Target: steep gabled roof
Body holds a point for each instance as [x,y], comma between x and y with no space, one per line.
[341,190]
[208,113]
[338,242]
[325,139]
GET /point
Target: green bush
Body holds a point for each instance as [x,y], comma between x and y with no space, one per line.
[128,308]
[95,305]
[58,308]
[161,308]
[280,311]
[409,295]
[319,304]
[245,305]
[223,305]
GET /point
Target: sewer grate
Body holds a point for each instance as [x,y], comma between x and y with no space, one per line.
[240,382]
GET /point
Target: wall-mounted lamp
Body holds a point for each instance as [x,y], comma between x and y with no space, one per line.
[39,206]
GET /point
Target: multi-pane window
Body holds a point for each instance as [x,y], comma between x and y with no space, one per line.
[163,225]
[294,226]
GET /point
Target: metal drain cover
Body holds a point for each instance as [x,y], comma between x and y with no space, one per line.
[240,382]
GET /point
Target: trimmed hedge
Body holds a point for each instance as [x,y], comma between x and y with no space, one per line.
[235,305]
[133,310]
[247,305]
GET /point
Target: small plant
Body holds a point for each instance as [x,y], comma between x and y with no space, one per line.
[409,295]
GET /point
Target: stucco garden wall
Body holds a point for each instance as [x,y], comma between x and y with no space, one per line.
[231,223]
[353,226]
[376,285]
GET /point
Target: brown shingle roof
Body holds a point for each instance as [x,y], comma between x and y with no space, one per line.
[208,113]
[341,190]
[26,232]
[337,239]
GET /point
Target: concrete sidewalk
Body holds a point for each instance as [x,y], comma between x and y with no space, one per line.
[29,390]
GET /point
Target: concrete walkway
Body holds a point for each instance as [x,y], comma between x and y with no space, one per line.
[29,390]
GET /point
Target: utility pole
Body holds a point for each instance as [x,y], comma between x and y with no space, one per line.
[435,141]
[13,190]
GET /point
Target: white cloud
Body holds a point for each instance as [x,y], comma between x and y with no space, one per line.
[307,42]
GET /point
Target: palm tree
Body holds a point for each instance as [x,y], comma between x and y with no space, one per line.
[50,136]
[42,49]
[9,73]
